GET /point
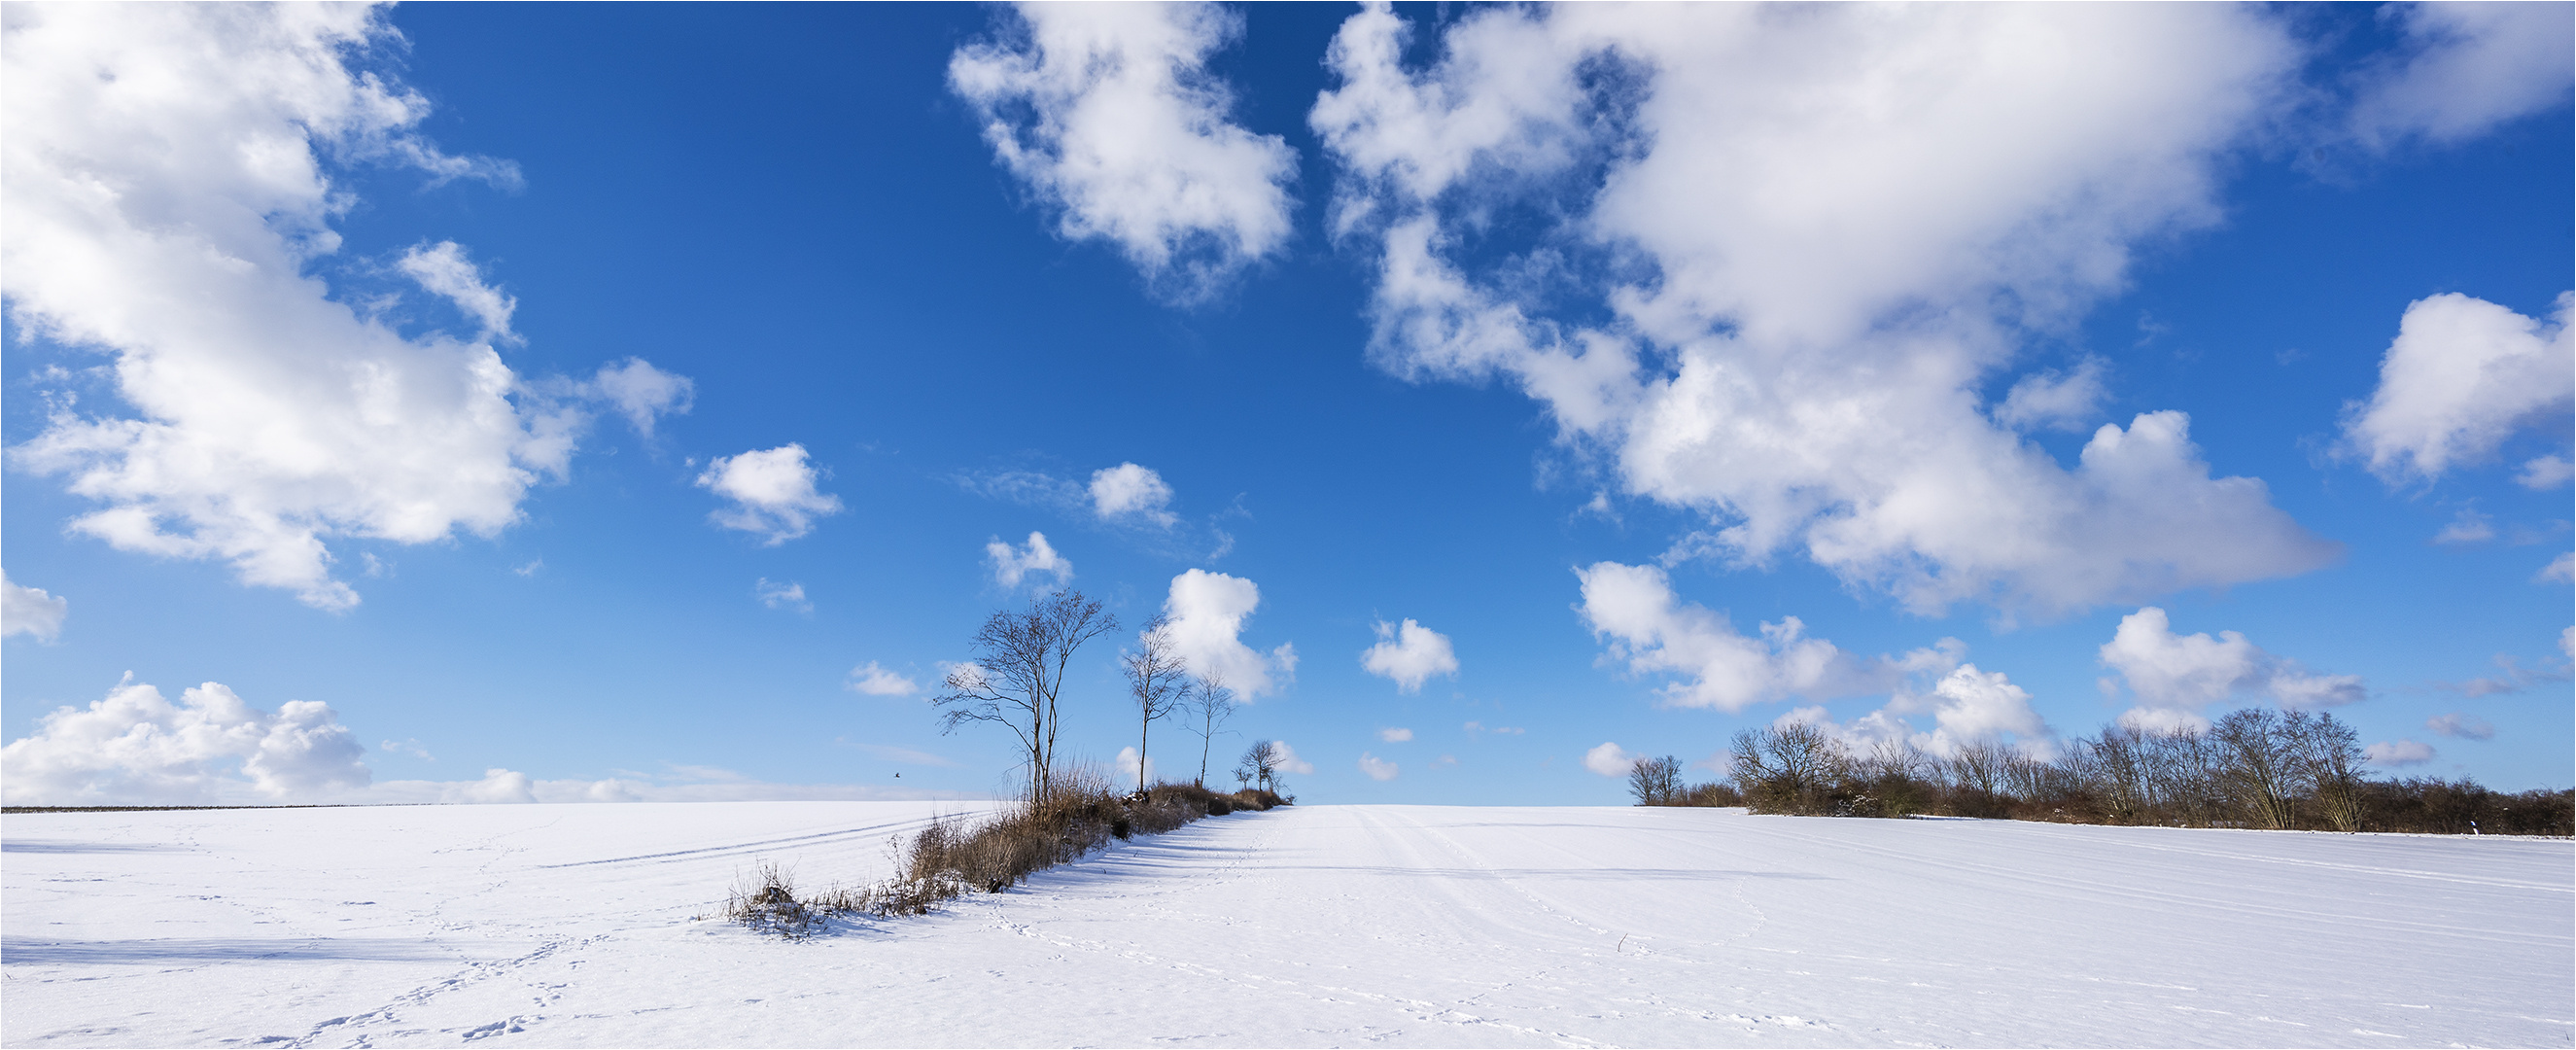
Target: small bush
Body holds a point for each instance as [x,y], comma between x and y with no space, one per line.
[765,900]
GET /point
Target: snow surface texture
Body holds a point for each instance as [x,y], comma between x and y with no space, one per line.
[571,925]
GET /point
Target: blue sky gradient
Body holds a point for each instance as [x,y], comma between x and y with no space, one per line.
[794,209]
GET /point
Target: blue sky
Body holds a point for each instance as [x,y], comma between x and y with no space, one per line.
[500,402]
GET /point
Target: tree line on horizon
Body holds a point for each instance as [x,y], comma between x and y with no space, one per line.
[2253,768]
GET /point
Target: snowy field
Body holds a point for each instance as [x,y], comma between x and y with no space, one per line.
[572,925]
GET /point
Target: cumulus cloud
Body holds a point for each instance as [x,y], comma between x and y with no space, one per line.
[1037,557]
[169,207]
[2471,67]
[1968,706]
[1796,247]
[1207,611]
[641,392]
[1108,114]
[2055,401]
[1633,608]
[2462,376]
[1128,492]
[1396,735]
[782,595]
[1409,655]
[135,747]
[1609,760]
[772,491]
[1376,768]
[2173,677]
[2400,753]
[1287,759]
[30,611]
[877,681]
[2461,725]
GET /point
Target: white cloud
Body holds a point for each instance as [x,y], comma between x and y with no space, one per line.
[773,493]
[1633,607]
[2461,377]
[1288,760]
[498,786]
[1812,240]
[1127,767]
[2467,526]
[782,595]
[2401,753]
[877,681]
[30,611]
[2543,473]
[1108,113]
[444,270]
[2473,66]
[1396,735]
[1376,768]
[2561,569]
[1968,706]
[641,392]
[1037,557]
[1979,705]
[1128,492]
[168,205]
[2055,401]
[1409,655]
[2461,725]
[134,747]
[1207,611]
[2175,676]
[1609,760]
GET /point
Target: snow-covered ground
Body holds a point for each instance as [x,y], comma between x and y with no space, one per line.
[571,925]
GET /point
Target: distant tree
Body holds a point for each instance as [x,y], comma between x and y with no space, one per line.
[1210,705]
[1787,769]
[2331,756]
[1155,680]
[2117,772]
[1655,781]
[2261,755]
[1017,671]
[1259,766]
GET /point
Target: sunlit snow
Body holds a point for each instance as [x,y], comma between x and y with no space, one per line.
[573,925]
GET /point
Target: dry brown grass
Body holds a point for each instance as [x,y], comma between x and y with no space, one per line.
[956,855]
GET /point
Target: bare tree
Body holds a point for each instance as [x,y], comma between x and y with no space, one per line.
[1018,670]
[2118,771]
[1787,769]
[1212,705]
[1155,680]
[2332,756]
[1655,781]
[2261,762]
[1260,765]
